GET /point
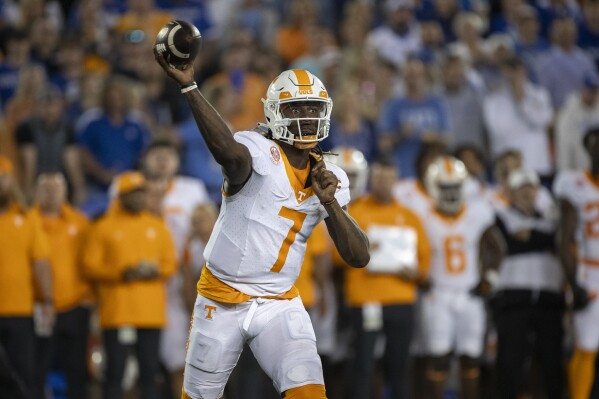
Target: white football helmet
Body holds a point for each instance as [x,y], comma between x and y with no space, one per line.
[444,180]
[355,165]
[291,86]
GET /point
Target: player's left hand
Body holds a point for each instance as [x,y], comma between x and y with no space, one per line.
[324,182]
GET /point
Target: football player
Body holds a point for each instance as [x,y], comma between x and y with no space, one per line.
[277,188]
[578,192]
[453,313]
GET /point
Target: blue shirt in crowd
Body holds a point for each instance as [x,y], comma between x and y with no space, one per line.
[364,140]
[429,114]
[113,146]
[589,41]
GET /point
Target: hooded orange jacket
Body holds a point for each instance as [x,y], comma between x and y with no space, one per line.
[120,240]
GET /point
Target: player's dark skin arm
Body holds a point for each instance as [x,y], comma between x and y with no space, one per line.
[234,157]
[350,240]
[566,240]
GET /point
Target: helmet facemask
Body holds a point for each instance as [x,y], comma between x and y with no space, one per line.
[302,123]
[449,197]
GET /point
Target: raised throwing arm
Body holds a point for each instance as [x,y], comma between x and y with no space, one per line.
[234,157]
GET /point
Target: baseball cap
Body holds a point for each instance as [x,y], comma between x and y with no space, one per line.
[6,166]
[521,177]
[129,181]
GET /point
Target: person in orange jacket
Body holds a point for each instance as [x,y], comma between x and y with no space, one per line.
[24,273]
[382,295]
[130,254]
[66,229]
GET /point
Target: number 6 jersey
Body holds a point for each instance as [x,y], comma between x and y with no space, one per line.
[259,240]
[455,244]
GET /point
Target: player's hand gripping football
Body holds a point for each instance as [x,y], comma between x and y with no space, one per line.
[184,75]
[324,182]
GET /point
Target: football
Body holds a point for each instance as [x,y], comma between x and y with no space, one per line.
[179,41]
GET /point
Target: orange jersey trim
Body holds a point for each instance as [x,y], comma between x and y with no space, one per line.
[298,178]
[592,180]
[450,219]
[590,262]
[211,287]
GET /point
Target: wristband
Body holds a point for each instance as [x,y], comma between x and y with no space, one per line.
[188,87]
[329,202]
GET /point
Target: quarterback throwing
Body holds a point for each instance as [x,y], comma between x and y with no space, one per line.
[277,188]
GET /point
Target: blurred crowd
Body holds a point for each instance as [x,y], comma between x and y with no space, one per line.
[503,85]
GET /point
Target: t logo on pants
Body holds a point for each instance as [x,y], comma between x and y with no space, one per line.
[209,310]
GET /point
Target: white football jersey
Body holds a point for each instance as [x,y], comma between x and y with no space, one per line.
[413,195]
[259,241]
[455,245]
[578,188]
[182,196]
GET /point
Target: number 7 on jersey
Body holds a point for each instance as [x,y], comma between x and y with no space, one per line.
[297,218]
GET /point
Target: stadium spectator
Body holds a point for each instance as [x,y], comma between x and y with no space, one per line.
[499,48]
[399,37]
[468,28]
[408,122]
[381,296]
[578,246]
[292,40]
[65,347]
[432,49]
[142,14]
[517,117]
[24,271]
[111,138]
[528,305]
[530,46]
[16,55]
[248,86]
[579,113]
[129,255]
[183,195]
[565,66]
[464,105]
[47,144]
[476,185]
[588,30]
[349,126]
[503,19]
[32,79]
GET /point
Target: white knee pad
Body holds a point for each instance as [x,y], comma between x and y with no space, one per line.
[303,368]
[198,386]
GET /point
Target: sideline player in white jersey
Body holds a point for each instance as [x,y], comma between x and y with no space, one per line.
[277,188]
[182,195]
[578,192]
[453,313]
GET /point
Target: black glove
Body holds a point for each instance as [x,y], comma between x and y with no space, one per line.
[580,297]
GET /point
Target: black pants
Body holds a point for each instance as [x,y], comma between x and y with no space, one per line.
[398,322]
[65,350]
[17,340]
[595,390]
[146,349]
[529,323]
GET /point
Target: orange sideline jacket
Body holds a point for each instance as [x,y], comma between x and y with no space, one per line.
[121,240]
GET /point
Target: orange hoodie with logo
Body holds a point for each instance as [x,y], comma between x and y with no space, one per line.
[121,240]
